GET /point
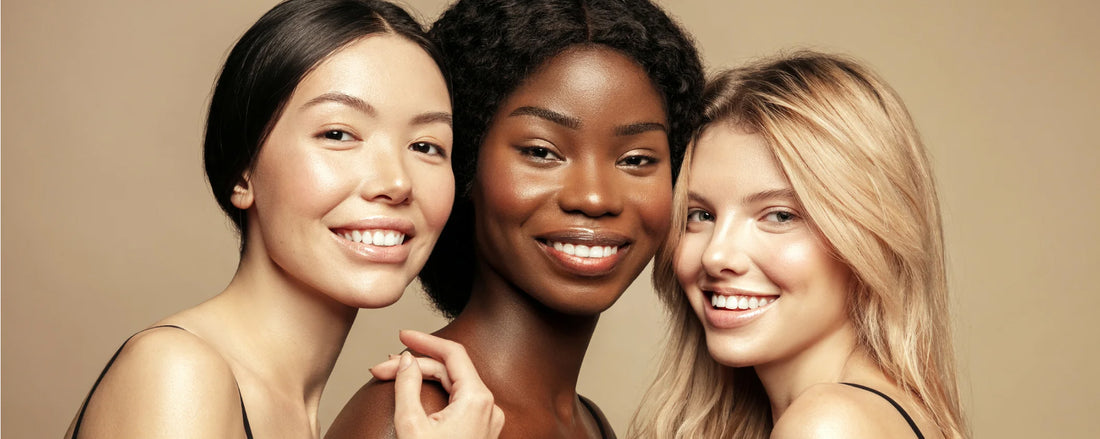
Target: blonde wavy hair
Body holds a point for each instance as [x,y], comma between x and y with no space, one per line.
[852,154]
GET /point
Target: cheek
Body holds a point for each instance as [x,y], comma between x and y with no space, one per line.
[300,180]
[654,203]
[799,264]
[688,260]
[436,187]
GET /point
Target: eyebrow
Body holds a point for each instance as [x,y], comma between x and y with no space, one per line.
[773,194]
[574,123]
[638,128]
[550,115]
[433,117]
[783,194]
[345,99]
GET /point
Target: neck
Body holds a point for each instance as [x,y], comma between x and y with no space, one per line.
[528,355]
[280,333]
[825,361]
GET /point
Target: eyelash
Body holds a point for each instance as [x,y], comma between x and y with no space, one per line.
[645,161]
[438,149]
[693,215]
[340,134]
[791,216]
[534,152]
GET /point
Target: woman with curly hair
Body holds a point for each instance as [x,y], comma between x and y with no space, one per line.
[804,271]
[328,143]
[572,117]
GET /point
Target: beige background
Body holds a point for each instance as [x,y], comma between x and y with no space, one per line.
[108,224]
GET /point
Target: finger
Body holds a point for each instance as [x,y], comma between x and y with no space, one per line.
[458,364]
[408,412]
[496,423]
[430,368]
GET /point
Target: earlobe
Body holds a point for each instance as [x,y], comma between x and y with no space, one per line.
[242,194]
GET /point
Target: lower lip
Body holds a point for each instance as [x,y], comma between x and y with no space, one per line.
[395,254]
[584,266]
[722,318]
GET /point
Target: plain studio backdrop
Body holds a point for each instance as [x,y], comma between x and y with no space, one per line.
[108,224]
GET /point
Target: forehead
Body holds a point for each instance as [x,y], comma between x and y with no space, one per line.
[381,69]
[729,159]
[591,81]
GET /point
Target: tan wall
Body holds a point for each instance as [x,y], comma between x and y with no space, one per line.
[108,224]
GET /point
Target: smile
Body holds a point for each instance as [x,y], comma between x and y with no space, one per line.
[376,237]
[739,302]
[584,251]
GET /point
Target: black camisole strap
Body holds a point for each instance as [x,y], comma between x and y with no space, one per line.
[905,415]
[598,416]
[83,407]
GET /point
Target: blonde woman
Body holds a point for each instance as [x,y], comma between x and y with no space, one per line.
[805,269]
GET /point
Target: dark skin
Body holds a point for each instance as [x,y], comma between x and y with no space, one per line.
[576,156]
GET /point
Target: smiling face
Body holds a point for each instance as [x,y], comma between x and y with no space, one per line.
[353,185]
[758,276]
[573,185]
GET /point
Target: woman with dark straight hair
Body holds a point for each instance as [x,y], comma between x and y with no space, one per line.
[571,117]
[328,143]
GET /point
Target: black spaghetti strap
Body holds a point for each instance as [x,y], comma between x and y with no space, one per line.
[591,406]
[905,415]
[84,407]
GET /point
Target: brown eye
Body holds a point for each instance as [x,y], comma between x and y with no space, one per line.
[427,148]
[539,153]
[638,160]
[337,135]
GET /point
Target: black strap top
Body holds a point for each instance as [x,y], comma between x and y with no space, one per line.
[83,407]
[905,415]
[605,427]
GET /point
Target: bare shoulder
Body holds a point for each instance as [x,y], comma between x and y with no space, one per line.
[165,382]
[840,411]
[369,413]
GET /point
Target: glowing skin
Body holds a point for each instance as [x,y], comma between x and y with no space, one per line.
[574,181]
[362,148]
[747,238]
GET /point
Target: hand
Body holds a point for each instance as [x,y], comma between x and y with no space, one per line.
[470,412]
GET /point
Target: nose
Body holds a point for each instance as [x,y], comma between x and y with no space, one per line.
[386,178]
[591,190]
[726,253]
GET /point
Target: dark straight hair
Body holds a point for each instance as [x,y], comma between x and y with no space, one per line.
[266,65]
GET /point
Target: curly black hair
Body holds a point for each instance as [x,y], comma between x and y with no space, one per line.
[491,46]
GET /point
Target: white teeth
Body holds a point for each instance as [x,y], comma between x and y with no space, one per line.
[585,251]
[739,302]
[381,238]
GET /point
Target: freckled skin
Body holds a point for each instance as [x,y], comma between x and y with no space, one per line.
[530,318]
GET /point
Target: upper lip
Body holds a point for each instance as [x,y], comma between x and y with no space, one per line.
[731,291]
[585,236]
[401,225]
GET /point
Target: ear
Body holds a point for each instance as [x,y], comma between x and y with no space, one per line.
[242,196]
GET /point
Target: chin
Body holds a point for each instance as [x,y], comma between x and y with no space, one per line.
[724,352]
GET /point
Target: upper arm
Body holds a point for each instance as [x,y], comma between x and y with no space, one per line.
[165,383]
[369,413]
[828,411]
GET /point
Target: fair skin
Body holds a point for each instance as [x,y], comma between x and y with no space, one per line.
[275,332]
[771,295]
[576,156]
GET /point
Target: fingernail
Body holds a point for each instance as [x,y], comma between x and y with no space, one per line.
[406,361]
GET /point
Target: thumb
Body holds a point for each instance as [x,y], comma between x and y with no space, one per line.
[408,413]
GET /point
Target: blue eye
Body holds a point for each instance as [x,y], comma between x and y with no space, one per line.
[781,216]
[699,215]
[427,148]
[338,135]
